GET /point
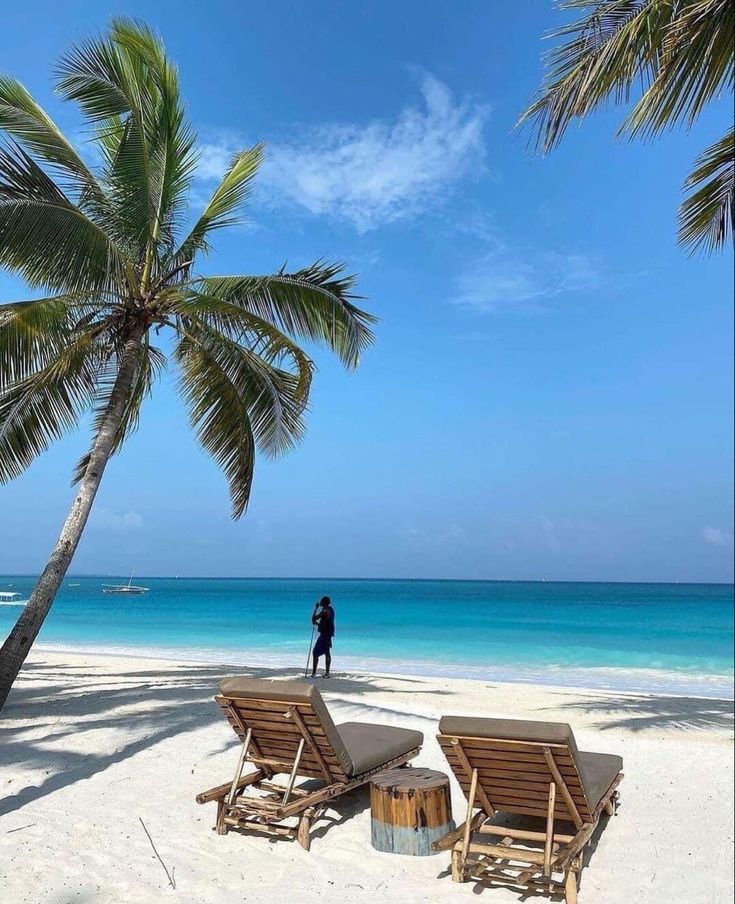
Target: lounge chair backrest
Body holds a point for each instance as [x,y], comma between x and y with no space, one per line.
[272,710]
[516,761]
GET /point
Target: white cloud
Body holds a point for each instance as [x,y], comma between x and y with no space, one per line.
[504,278]
[113,521]
[215,157]
[374,173]
[717,536]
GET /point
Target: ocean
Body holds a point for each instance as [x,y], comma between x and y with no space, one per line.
[667,638]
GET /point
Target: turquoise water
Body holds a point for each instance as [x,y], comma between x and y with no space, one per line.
[636,636]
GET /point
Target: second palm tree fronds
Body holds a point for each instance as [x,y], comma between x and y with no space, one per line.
[679,54]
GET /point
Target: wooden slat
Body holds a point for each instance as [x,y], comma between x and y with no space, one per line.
[268,705]
[492,764]
[278,718]
[518,854]
[284,749]
[507,745]
[498,769]
[279,724]
[517,761]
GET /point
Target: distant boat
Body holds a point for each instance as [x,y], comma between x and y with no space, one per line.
[129,588]
[7,598]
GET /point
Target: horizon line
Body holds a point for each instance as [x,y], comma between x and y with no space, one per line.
[209,577]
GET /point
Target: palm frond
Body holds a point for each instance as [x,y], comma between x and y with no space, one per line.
[258,335]
[315,303]
[34,332]
[124,79]
[28,123]
[46,238]
[707,216]
[171,138]
[275,403]
[36,411]
[227,199]
[695,67]
[219,414]
[613,46]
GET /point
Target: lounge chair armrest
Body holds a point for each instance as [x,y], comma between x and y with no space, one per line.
[222,790]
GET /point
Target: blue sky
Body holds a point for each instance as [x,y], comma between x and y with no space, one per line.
[550,394]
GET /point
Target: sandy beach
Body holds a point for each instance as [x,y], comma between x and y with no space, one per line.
[90,745]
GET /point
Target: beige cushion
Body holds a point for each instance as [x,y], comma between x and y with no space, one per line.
[509,730]
[598,771]
[371,745]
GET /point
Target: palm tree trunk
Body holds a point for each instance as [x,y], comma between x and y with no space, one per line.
[19,641]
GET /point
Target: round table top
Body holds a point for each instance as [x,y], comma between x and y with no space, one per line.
[410,779]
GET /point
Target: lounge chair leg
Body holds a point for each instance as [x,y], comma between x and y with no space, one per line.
[458,871]
[302,833]
[221,826]
[570,887]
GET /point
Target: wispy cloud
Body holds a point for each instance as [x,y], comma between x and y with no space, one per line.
[373,173]
[106,519]
[506,278]
[717,536]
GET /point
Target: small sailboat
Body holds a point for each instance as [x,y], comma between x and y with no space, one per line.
[8,598]
[129,588]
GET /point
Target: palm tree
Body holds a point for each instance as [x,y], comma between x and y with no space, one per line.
[107,246]
[681,54]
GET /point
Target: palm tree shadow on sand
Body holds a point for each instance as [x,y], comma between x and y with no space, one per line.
[168,702]
[642,712]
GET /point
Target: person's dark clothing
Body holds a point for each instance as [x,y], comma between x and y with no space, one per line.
[324,620]
[323,645]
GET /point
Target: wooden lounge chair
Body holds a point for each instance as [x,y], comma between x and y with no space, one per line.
[533,769]
[285,727]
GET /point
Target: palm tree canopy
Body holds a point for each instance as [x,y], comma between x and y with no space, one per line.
[108,246]
[680,54]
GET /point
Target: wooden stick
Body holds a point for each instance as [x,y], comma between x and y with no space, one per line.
[468,823]
[221,791]
[241,726]
[565,792]
[462,756]
[566,854]
[313,746]
[446,841]
[169,876]
[240,764]
[522,834]
[294,771]
[507,853]
[549,830]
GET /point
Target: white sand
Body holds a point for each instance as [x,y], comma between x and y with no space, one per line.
[89,744]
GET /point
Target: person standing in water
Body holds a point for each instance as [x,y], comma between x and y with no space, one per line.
[323,618]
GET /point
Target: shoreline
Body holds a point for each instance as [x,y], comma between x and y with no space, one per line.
[656,682]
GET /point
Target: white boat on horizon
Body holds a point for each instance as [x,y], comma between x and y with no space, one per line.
[9,598]
[129,588]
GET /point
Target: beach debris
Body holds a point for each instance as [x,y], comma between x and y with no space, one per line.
[169,875]
[20,828]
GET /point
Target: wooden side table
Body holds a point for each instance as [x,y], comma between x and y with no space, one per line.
[410,810]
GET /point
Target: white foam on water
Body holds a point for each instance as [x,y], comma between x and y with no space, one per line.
[641,680]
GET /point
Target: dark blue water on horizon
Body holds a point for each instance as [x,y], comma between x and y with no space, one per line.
[666,637]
